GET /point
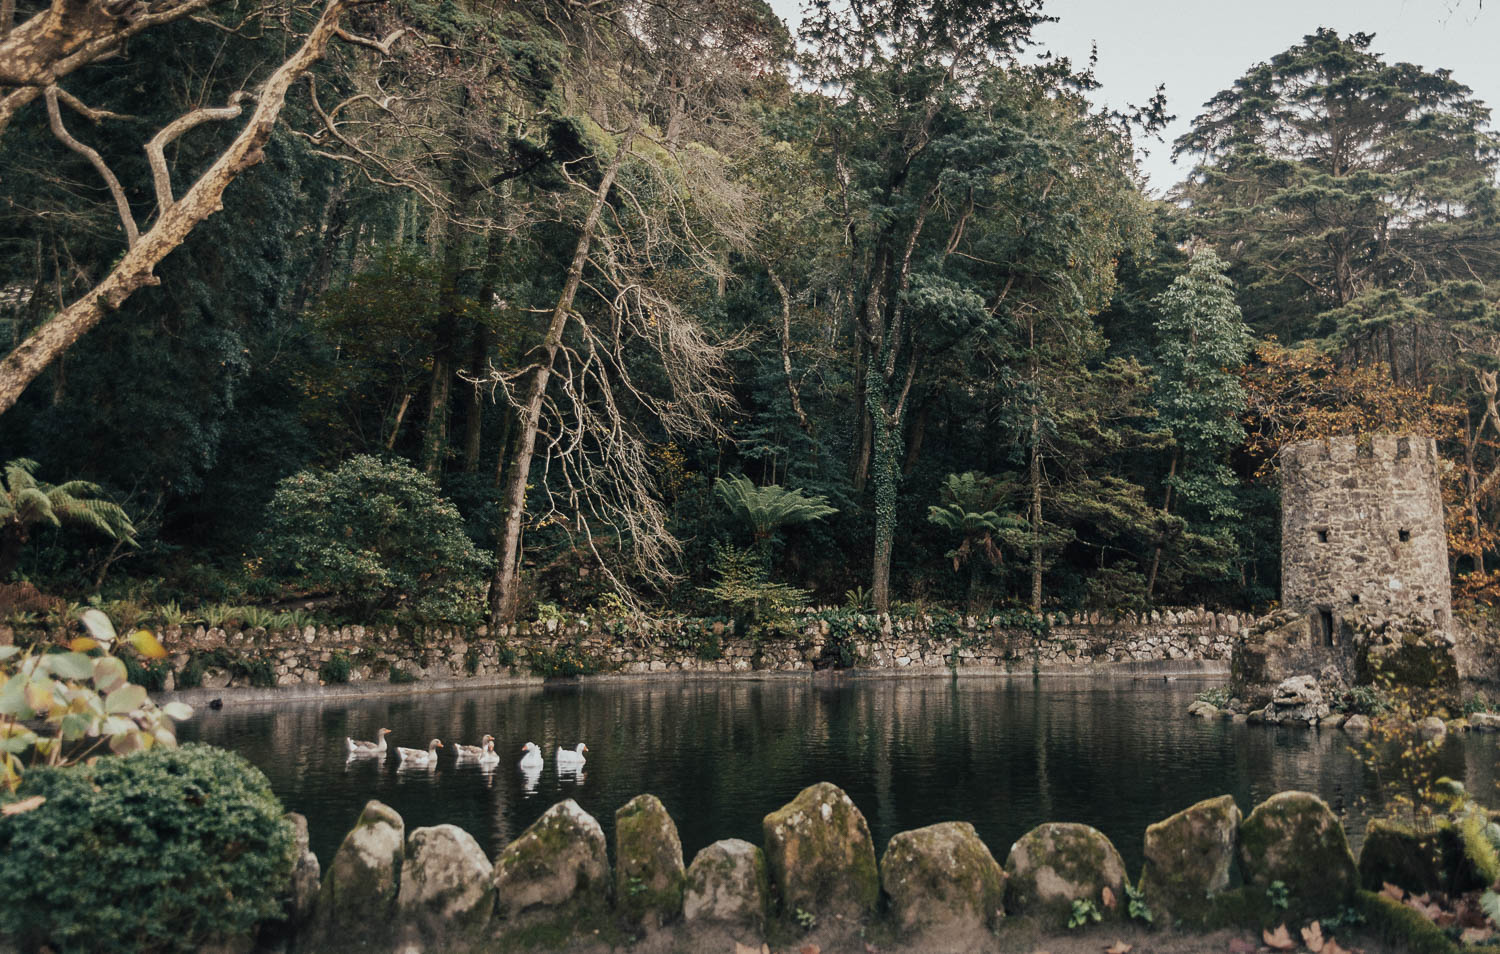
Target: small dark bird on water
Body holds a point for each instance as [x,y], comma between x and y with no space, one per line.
[216,704]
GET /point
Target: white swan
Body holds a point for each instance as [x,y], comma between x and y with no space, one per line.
[490,757]
[474,751]
[355,747]
[571,759]
[532,760]
[417,757]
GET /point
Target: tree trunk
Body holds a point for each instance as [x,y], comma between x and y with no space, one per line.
[479,350]
[887,445]
[134,270]
[12,540]
[1035,478]
[1166,507]
[505,589]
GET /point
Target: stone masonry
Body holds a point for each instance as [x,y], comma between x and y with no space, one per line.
[1362,531]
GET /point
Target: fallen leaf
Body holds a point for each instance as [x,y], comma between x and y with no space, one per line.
[1119,947]
[744,949]
[811,949]
[1109,898]
[1312,936]
[1279,939]
[1331,946]
[23,806]
[871,949]
[1391,891]
[1239,945]
[1475,935]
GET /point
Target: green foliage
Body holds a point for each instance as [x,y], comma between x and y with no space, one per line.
[1138,908]
[167,850]
[1084,910]
[1217,696]
[336,670]
[743,591]
[805,919]
[1363,700]
[26,503]
[79,699]
[402,677]
[1277,895]
[564,660]
[376,533]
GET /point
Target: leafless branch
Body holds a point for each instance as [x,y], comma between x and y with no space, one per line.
[161,177]
[54,119]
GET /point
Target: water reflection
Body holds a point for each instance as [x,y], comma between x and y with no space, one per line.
[1004,754]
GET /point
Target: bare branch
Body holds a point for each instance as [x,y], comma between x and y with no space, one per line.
[161,177]
[86,111]
[382,47]
[72,33]
[54,119]
[173,225]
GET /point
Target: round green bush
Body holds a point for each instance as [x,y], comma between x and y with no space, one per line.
[161,851]
[375,533]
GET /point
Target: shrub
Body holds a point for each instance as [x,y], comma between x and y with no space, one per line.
[161,851]
[336,670]
[375,533]
[565,659]
[402,677]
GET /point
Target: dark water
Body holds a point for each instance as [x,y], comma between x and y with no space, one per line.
[1003,753]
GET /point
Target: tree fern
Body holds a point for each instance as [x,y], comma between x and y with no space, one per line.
[26,502]
[769,508]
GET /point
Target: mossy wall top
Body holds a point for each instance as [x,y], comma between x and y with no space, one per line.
[1362,525]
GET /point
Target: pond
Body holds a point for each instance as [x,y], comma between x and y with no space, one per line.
[1005,753]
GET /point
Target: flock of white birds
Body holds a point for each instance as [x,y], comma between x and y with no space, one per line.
[483,754]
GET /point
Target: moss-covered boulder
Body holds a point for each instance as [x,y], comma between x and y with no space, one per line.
[1189,857]
[648,863]
[358,895]
[820,854]
[445,883]
[944,877]
[1055,864]
[1295,838]
[302,892]
[1419,861]
[727,884]
[559,867]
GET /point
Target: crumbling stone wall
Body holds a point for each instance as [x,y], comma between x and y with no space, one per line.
[1362,531]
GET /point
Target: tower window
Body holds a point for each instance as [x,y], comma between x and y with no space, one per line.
[1354,598]
[1323,536]
[1404,535]
[1325,626]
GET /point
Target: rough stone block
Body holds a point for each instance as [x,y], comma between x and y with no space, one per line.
[1296,839]
[1189,857]
[445,882]
[648,863]
[558,866]
[942,877]
[820,854]
[727,883]
[1055,864]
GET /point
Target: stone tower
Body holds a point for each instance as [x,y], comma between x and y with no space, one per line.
[1362,531]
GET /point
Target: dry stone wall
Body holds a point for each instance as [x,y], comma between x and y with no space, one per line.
[819,640]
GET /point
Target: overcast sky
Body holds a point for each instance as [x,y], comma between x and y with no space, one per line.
[1198,47]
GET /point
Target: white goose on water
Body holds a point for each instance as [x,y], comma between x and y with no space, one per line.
[417,757]
[356,747]
[532,759]
[571,758]
[490,757]
[474,751]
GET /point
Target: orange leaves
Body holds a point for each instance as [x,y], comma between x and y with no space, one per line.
[1279,939]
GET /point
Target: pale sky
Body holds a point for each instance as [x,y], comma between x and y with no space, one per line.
[1198,48]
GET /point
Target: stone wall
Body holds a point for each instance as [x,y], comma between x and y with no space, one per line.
[1362,529]
[816,875]
[816,640]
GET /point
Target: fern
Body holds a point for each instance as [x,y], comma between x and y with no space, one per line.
[1489,903]
[767,509]
[26,502]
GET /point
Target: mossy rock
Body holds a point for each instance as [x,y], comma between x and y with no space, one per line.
[1055,864]
[727,884]
[358,895]
[1401,928]
[557,870]
[942,877]
[649,874]
[1295,838]
[1418,861]
[302,892]
[1190,857]
[446,891]
[821,856]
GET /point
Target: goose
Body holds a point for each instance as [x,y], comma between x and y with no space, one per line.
[532,760]
[490,757]
[571,759]
[356,747]
[474,751]
[419,758]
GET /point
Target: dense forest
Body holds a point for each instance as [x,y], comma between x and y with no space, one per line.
[463,308]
